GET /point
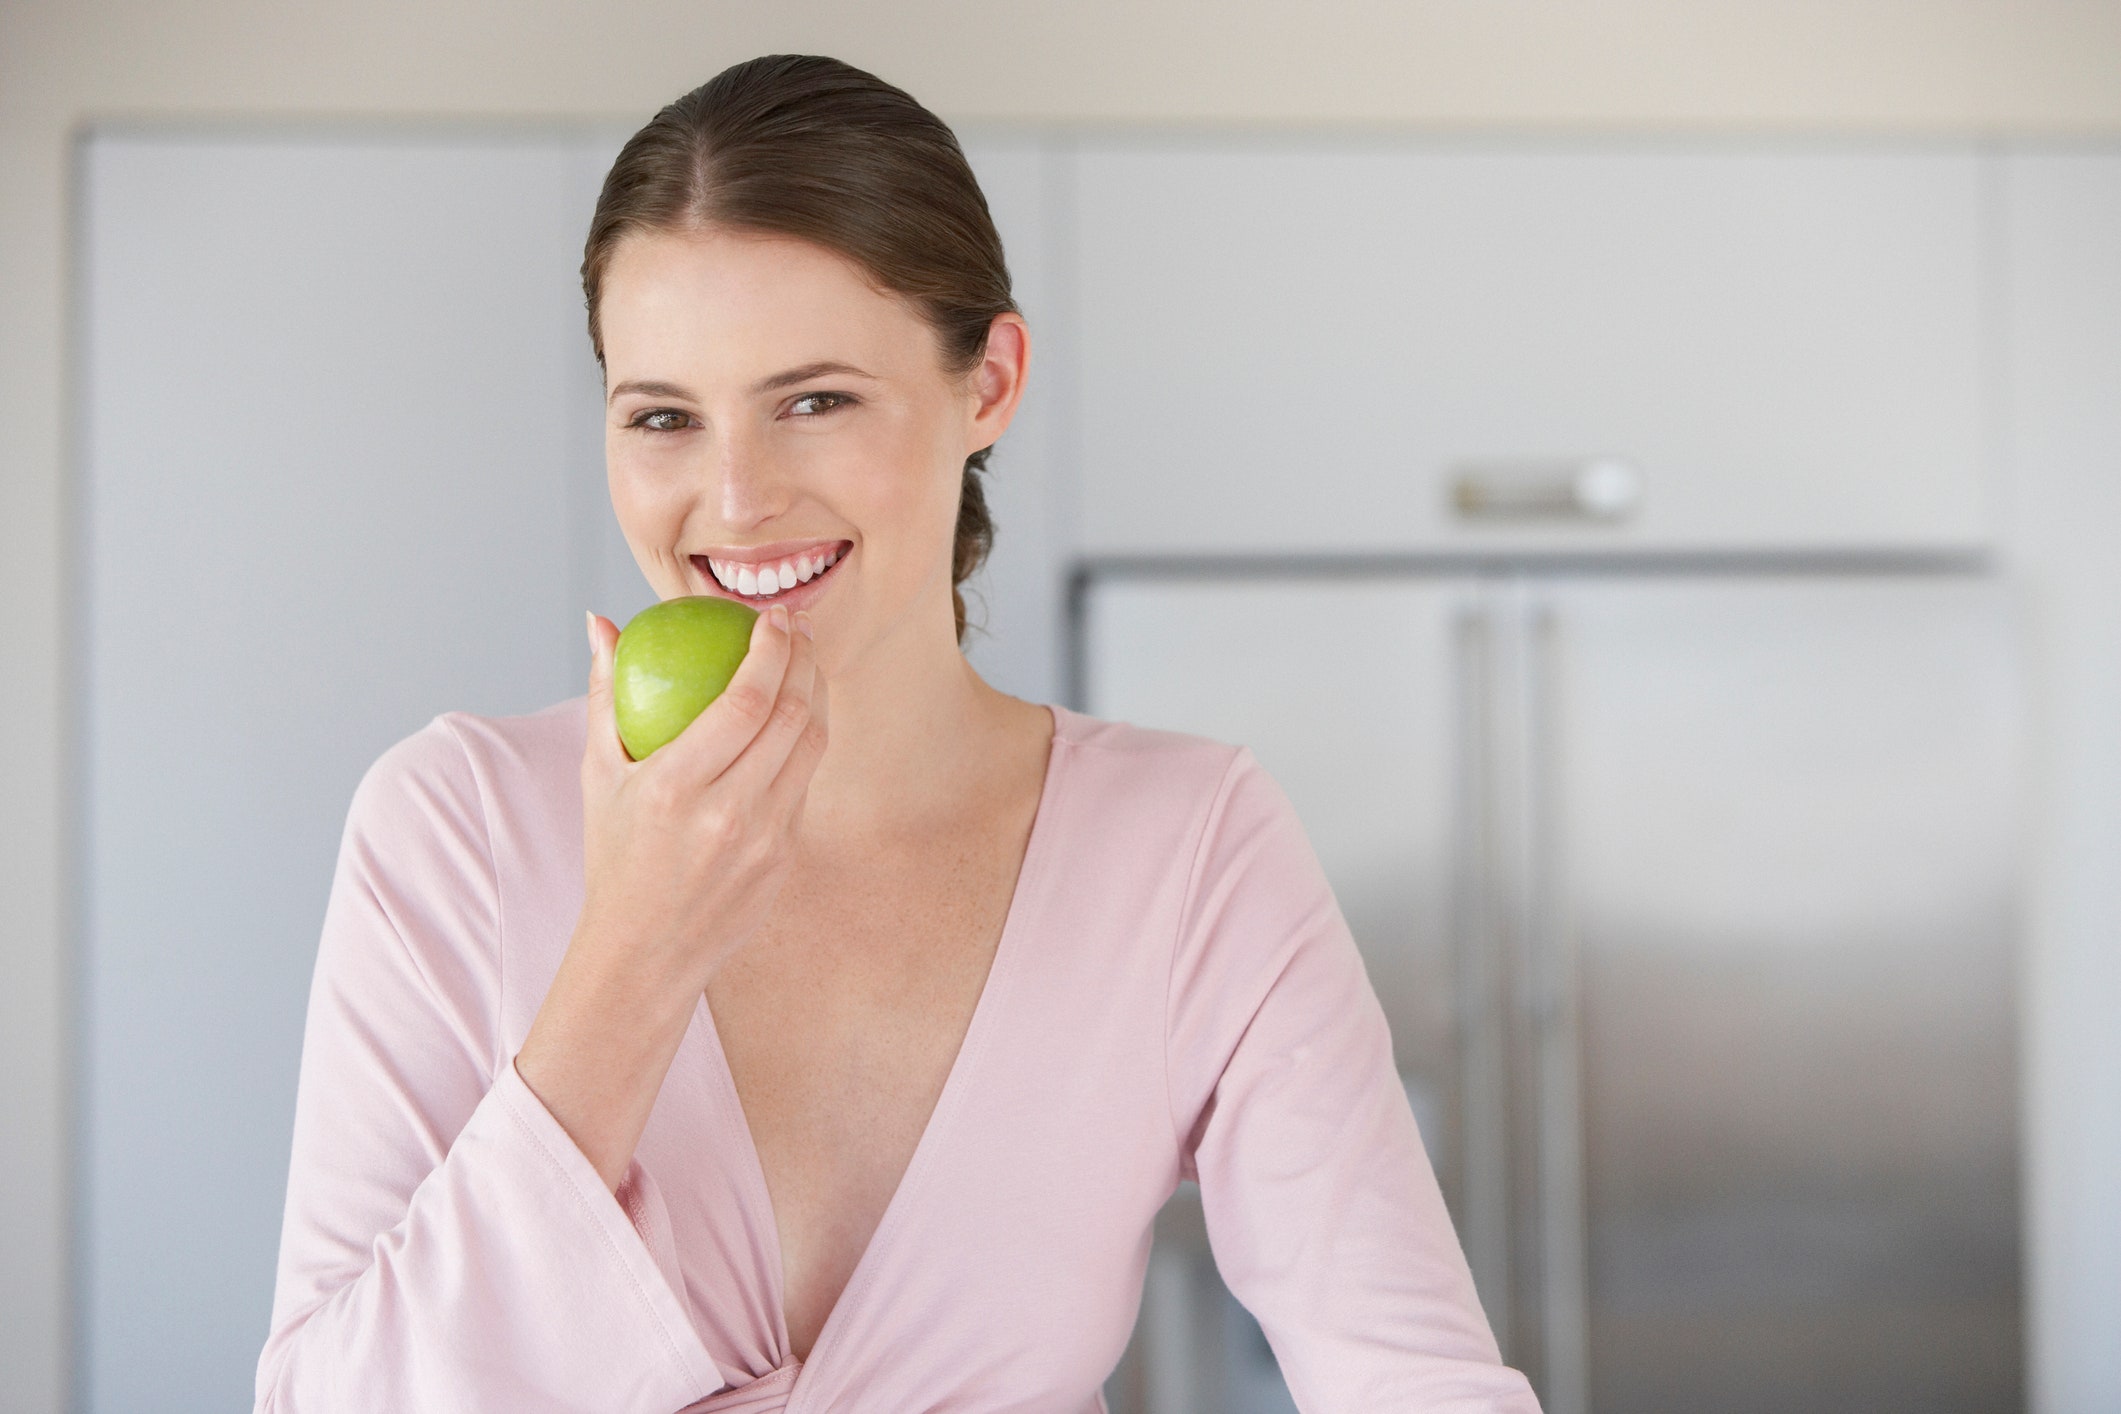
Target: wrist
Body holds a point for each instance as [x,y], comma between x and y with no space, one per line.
[614,969]
[601,1043]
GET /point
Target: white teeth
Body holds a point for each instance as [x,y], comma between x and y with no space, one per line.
[764,581]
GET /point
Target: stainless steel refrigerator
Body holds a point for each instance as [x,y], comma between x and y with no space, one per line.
[1690,892]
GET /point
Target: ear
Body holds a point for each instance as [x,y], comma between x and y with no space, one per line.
[998,382]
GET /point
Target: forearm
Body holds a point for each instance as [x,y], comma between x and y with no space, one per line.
[599,1048]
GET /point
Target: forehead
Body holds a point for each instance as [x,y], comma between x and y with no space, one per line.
[715,306]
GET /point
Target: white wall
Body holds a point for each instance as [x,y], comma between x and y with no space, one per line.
[2045,66]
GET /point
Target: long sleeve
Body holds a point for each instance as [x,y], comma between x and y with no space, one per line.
[445,1245]
[1322,1208]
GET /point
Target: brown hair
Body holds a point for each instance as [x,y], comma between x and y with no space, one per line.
[805,146]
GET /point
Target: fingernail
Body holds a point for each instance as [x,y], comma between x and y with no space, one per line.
[802,621]
[780,617]
[589,621]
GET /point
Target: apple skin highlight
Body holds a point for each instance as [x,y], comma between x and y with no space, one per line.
[672,660]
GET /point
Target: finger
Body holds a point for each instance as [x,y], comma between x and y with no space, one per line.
[761,761]
[809,749]
[729,724]
[819,699]
[603,752]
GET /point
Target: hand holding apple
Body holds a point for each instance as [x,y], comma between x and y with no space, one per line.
[683,855]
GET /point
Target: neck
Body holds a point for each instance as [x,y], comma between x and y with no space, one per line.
[908,721]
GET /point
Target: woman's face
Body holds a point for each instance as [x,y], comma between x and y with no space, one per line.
[769,410]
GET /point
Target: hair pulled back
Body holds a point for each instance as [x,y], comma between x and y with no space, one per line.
[805,146]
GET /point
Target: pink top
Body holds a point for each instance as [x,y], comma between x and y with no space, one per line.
[1174,994]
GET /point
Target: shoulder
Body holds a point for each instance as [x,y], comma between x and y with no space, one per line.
[417,936]
[1226,830]
[461,768]
[1145,758]
[1198,809]
[1217,783]
[436,842]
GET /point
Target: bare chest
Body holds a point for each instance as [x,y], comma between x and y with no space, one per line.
[840,1022]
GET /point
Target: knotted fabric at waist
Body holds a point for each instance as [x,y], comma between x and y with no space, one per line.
[768,1394]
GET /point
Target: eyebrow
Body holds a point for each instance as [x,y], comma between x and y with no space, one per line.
[653,388]
[649,387]
[807,372]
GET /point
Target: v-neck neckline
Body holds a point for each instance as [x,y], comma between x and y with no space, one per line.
[758,1197]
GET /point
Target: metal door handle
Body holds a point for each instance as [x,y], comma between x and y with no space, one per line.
[1571,488]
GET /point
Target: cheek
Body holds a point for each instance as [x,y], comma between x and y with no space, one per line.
[650,517]
[929,455]
[908,482]
[642,495]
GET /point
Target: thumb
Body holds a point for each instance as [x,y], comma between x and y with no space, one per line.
[603,751]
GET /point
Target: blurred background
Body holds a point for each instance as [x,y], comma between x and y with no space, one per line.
[1643,476]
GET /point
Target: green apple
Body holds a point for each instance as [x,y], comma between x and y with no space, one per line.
[673,659]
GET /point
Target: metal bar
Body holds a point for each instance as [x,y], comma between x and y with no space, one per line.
[1555,1036]
[1479,1014]
[1512,948]
[1853,560]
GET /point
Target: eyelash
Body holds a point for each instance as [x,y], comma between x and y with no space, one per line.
[640,420]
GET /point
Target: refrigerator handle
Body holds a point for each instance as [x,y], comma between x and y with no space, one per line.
[1481,1019]
[1555,1035]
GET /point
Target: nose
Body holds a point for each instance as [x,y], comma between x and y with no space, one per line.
[744,486]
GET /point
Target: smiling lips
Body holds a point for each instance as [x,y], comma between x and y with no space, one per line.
[769,578]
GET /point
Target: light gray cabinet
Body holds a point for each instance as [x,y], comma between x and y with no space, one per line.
[2060,229]
[331,420]
[1292,346]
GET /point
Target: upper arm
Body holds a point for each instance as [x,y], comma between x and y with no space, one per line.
[1322,1210]
[401,1033]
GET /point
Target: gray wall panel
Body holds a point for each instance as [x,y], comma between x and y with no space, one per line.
[328,491]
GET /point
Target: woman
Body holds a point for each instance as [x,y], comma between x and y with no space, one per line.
[840,1054]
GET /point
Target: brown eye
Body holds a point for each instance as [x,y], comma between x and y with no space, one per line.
[661,420]
[811,404]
